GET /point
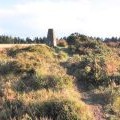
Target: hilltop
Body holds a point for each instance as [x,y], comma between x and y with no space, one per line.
[78,80]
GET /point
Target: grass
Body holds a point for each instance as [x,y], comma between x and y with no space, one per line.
[35,86]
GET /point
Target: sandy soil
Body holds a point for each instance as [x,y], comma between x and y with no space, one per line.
[7,46]
[13,45]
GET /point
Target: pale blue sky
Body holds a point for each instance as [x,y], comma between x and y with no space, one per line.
[33,17]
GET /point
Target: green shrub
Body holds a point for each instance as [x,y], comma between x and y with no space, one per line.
[116,105]
[88,68]
[28,83]
[39,49]
[38,81]
[57,110]
[12,110]
[62,55]
[62,43]
[32,57]
[74,59]
[54,82]
[16,110]
[115,100]
[7,67]
[84,45]
[27,117]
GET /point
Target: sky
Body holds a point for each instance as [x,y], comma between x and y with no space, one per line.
[31,18]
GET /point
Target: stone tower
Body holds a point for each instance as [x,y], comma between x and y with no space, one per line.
[51,40]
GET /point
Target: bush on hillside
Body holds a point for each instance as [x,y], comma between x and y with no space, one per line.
[7,67]
[60,110]
[57,109]
[62,43]
[115,100]
[112,106]
[116,105]
[62,55]
[88,68]
[37,81]
[12,110]
[83,45]
[39,49]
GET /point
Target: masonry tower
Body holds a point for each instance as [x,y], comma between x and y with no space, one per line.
[51,38]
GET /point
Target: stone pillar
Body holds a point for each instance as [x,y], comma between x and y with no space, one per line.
[51,38]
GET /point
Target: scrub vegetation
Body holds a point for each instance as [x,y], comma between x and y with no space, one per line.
[79,80]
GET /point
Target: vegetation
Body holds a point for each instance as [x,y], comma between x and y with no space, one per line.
[16,40]
[35,86]
[44,83]
[62,43]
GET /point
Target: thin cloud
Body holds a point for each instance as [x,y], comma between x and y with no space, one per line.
[35,17]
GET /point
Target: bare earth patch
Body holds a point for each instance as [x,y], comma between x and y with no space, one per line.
[6,46]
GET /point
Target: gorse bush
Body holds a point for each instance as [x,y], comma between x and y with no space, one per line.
[83,45]
[36,82]
[54,82]
[7,67]
[112,105]
[12,110]
[57,110]
[16,110]
[115,101]
[62,55]
[61,109]
[116,105]
[62,43]
[88,68]
[53,110]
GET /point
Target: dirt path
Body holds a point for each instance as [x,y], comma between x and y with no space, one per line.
[95,103]
[94,100]
[6,46]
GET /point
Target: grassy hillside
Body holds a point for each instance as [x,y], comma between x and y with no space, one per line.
[40,82]
[35,86]
[97,65]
